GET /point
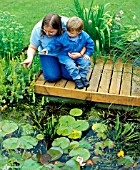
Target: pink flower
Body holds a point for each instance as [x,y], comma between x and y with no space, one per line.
[80,160]
[117,18]
[121,12]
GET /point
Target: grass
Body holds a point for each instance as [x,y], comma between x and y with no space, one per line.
[28,13]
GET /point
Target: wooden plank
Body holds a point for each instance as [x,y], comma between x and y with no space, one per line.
[126,80]
[95,76]
[57,91]
[61,83]
[99,76]
[115,99]
[70,85]
[41,77]
[94,96]
[106,77]
[116,78]
[136,82]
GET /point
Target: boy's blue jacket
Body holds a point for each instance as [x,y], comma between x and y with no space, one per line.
[65,44]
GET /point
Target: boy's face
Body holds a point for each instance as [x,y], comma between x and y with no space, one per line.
[73,33]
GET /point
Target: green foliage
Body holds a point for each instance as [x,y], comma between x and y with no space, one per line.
[11,37]
[111,34]
[95,24]
[127,161]
[122,132]
[16,83]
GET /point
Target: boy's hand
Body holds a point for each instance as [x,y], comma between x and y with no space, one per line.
[74,55]
[86,57]
[45,51]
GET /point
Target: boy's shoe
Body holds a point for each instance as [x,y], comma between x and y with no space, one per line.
[79,84]
[85,82]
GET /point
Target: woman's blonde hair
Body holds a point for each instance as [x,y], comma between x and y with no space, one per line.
[75,24]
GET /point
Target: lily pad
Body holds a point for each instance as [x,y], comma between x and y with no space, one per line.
[101,135]
[62,142]
[97,151]
[81,125]
[30,163]
[76,134]
[74,144]
[11,143]
[76,112]
[9,127]
[55,153]
[72,164]
[109,143]
[127,161]
[64,131]
[40,137]
[99,127]
[27,142]
[66,121]
[82,152]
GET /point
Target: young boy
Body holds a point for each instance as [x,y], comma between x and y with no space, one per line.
[72,42]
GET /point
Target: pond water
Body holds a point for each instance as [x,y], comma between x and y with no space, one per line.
[103,157]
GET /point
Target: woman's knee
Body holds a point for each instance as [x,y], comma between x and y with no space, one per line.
[50,67]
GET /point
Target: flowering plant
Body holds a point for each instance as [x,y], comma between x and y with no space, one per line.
[95,24]
[111,34]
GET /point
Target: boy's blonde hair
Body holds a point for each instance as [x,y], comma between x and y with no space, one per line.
[75,24]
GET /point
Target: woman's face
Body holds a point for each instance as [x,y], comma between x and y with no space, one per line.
[49,31]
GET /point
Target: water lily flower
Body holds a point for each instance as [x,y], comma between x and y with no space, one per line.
[80,160]
[120,153]
[90,21]
[121,12]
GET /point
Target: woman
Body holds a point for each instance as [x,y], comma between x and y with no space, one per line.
[44,32]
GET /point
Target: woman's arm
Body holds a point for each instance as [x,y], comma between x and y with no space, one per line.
[30,53]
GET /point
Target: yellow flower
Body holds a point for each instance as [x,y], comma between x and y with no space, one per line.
[96,7]
[120,154]
[109,22]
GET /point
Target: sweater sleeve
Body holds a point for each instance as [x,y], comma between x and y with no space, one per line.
[55,44]
[89,45]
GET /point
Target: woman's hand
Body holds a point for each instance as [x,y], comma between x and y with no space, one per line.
[27,62]
[31,53]
[74,55]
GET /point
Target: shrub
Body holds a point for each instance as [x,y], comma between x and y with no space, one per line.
[15,81]
[11,37]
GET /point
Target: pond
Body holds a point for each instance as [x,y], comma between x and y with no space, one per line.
[50,135]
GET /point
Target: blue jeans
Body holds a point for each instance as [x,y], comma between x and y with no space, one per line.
[72,66]
[52,69]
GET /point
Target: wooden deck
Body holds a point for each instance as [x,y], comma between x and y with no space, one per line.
[112,84]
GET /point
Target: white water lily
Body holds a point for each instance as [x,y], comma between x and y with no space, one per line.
[80,160]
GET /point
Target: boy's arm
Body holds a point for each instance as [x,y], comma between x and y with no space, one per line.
[77,54]
[52,46]
[89,45]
